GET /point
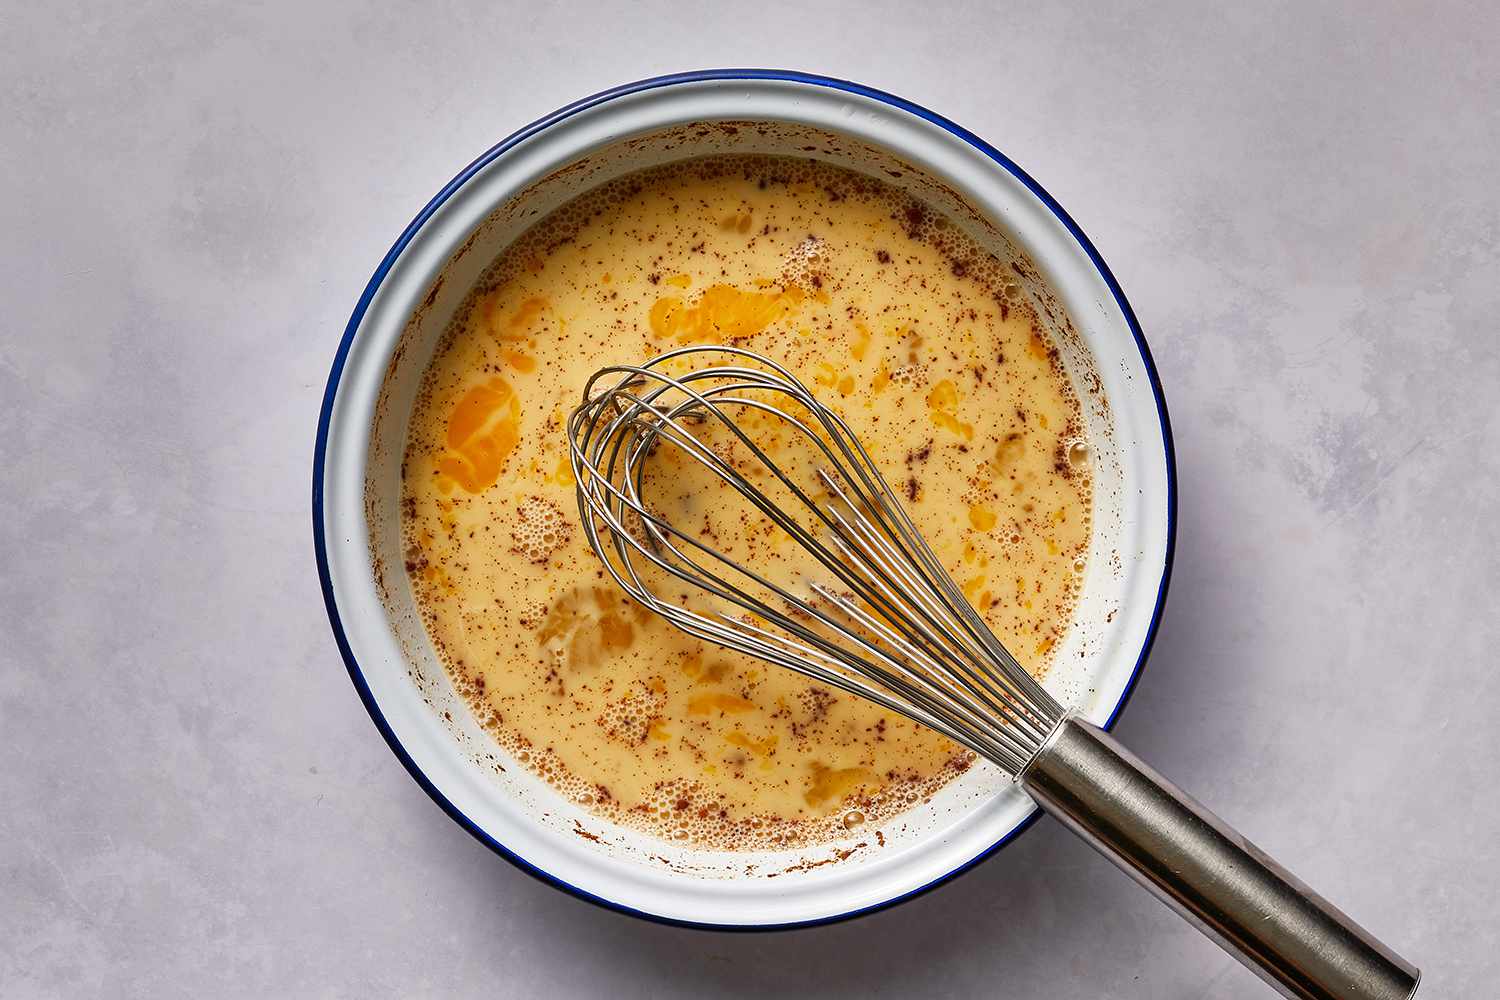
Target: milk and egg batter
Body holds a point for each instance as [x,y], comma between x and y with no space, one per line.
[896,319]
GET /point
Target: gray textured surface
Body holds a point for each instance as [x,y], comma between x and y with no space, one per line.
[1300,201]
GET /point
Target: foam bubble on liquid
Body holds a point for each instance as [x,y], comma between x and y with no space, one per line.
[806,263]
[540,529]
[1078,453]
[628,720]
[912,376]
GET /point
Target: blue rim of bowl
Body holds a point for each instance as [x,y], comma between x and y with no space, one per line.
[700,76]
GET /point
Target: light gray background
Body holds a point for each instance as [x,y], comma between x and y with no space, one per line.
[1301,202]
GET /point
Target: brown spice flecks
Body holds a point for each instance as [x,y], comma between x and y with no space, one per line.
[1060,463]
[817,700]
[915,216]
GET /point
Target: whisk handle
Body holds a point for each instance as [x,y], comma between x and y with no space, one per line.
[1194,862]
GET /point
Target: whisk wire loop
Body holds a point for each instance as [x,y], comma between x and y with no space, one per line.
[888,623]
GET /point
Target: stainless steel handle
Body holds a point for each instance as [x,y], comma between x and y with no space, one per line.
[1223,884]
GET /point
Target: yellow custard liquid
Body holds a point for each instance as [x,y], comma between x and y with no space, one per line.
[897,320]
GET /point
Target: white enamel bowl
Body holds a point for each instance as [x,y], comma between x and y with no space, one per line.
[414,294]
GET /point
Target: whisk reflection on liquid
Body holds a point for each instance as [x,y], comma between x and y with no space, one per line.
[878,616]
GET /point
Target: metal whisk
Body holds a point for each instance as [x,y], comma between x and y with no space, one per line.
[878,616]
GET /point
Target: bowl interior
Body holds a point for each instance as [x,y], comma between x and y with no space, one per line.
[412,305]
